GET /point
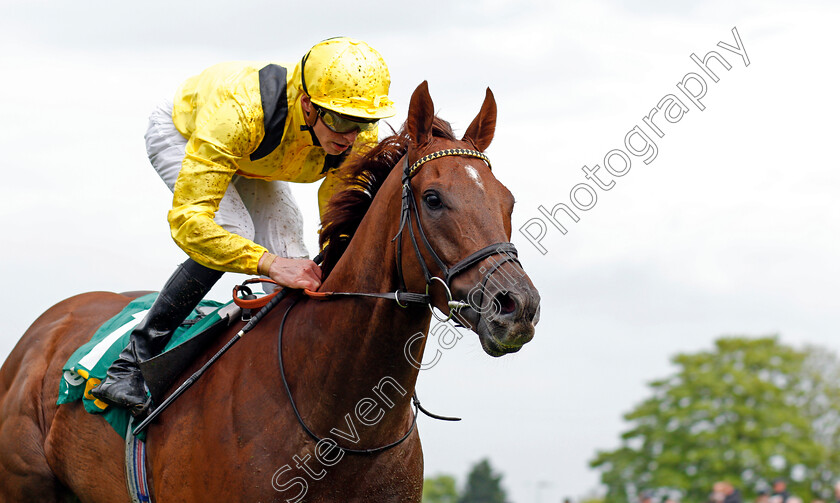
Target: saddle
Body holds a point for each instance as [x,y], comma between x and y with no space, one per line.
[89,363]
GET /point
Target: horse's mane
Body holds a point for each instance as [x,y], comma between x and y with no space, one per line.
[364,175]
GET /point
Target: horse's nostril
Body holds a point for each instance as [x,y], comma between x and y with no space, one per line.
[507,304]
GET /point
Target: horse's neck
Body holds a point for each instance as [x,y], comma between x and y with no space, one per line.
[355,349]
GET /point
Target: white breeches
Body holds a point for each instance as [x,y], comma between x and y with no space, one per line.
[263,211]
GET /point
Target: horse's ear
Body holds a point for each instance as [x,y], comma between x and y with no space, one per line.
[421,112]
[481,131]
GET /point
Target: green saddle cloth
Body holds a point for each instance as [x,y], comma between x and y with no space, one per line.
[89,364]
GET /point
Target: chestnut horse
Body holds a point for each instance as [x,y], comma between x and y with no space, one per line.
[235,436]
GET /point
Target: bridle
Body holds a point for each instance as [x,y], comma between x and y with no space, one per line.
[403,296]
[409,207]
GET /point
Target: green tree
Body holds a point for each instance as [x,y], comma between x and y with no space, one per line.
[483,486]
[748,411]
[440,489]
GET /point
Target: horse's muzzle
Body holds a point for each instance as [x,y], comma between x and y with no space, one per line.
[504,316]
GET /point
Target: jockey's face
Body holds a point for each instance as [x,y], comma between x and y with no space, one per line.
[332,142]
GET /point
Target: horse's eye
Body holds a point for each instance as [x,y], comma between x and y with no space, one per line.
[432,200]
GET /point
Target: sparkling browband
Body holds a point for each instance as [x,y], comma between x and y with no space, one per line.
[440,153]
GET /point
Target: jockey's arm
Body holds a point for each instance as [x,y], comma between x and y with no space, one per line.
[225,132]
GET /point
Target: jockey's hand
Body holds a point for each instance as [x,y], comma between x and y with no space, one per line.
[295,273]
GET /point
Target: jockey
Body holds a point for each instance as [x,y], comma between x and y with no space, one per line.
[234,136]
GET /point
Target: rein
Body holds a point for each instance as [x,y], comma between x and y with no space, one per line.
[311,433]
[249,301]
[402,296]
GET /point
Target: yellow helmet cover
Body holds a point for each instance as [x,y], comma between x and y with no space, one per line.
[349,77]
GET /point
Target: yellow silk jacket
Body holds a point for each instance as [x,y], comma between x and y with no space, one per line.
[241,118]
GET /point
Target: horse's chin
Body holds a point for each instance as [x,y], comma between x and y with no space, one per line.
[498,337]
[494,348]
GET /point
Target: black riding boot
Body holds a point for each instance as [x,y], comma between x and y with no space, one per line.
[124,385]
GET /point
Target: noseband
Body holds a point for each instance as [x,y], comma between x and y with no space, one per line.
[409,208]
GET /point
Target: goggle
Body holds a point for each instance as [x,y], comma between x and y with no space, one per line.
[342,124]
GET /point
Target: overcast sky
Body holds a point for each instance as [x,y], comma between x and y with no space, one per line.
[731,229]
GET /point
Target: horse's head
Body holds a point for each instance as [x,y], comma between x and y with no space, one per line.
[464,212]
